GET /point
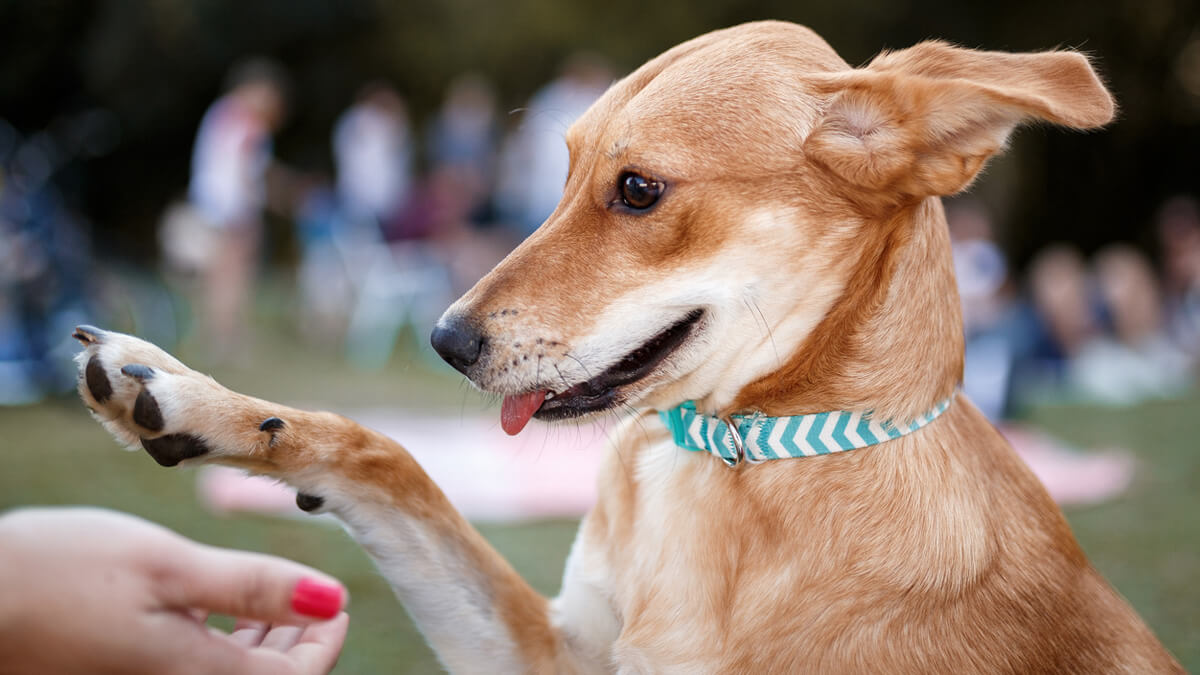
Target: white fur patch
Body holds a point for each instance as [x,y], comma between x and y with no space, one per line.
[584,609]
[446,597]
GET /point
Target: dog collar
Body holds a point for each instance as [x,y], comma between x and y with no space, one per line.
[757,437]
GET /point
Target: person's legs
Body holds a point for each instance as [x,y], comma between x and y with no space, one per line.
[229,287]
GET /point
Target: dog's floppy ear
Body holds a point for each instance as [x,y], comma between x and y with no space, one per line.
[922,121]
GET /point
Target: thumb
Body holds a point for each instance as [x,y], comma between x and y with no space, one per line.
[248,585]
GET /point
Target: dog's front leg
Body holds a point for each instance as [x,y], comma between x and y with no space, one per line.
[479,615]
[474,609]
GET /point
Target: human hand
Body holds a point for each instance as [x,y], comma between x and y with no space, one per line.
[92,591]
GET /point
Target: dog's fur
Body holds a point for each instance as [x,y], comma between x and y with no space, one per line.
[801,214]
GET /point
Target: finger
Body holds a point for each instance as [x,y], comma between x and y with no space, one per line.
[281,638]
[248,633]
[243,624]
[212,651]
[315,653]
[317,650]
[246,585]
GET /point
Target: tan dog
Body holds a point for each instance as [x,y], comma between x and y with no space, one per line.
[754,226]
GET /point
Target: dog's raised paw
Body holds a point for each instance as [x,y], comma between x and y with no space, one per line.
[123,380]
[149,400]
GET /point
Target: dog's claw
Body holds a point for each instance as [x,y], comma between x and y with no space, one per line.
[271,424]
[87,335]
[138,372]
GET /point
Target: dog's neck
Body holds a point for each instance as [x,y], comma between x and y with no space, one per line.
[892,342]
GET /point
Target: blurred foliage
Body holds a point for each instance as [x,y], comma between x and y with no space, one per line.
[156,64]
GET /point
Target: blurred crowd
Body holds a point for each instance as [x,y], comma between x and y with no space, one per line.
[409,220]
[1112,329]
[411,216]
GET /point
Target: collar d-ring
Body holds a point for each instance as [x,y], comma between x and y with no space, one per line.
[739,446]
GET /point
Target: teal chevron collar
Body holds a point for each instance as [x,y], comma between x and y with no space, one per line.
[758,437]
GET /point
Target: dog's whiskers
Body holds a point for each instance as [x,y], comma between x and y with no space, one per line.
[766,325]
[566,382]
[587,374]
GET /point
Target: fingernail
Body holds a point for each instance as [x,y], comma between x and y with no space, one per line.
[313,597]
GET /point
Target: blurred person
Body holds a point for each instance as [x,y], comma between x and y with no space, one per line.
[534,161]
[453,198]
[1136,360]
[983,285]
[462,143]
[228,192]
[1178,226]
[459,199]
[1104,333]
[378,244]
[1065,314]
[1129,289]
[373,154]
[90,590]
[323,275]
[999,331]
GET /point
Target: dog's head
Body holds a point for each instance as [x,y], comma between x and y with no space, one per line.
[727,199]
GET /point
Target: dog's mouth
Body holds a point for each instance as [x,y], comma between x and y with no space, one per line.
[602,391]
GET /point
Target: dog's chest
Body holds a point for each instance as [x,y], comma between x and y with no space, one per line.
[657,579]
[691,563]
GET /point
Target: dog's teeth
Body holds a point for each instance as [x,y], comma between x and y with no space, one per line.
[549,395]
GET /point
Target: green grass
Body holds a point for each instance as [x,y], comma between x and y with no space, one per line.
[1147,542]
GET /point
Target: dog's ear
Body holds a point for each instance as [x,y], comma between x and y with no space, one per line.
[923,121]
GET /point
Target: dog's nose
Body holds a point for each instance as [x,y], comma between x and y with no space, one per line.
[458,341]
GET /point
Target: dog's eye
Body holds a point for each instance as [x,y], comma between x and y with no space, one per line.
[638,191]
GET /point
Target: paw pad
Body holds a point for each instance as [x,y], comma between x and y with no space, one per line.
[146,412]
[271,425]
[172,449]
[97,380]
[308,502]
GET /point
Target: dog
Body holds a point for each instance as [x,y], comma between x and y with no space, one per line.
[751,259]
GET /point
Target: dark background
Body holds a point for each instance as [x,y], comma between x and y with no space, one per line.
[147,70]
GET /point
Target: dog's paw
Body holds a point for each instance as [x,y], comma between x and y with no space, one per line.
[148,399]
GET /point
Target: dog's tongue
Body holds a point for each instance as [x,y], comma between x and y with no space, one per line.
[516,410]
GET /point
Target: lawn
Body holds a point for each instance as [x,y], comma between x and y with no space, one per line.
[1147,542]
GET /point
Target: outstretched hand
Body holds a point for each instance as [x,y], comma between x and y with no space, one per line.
[93,591]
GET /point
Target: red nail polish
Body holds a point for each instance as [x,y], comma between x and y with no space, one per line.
[313,597]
